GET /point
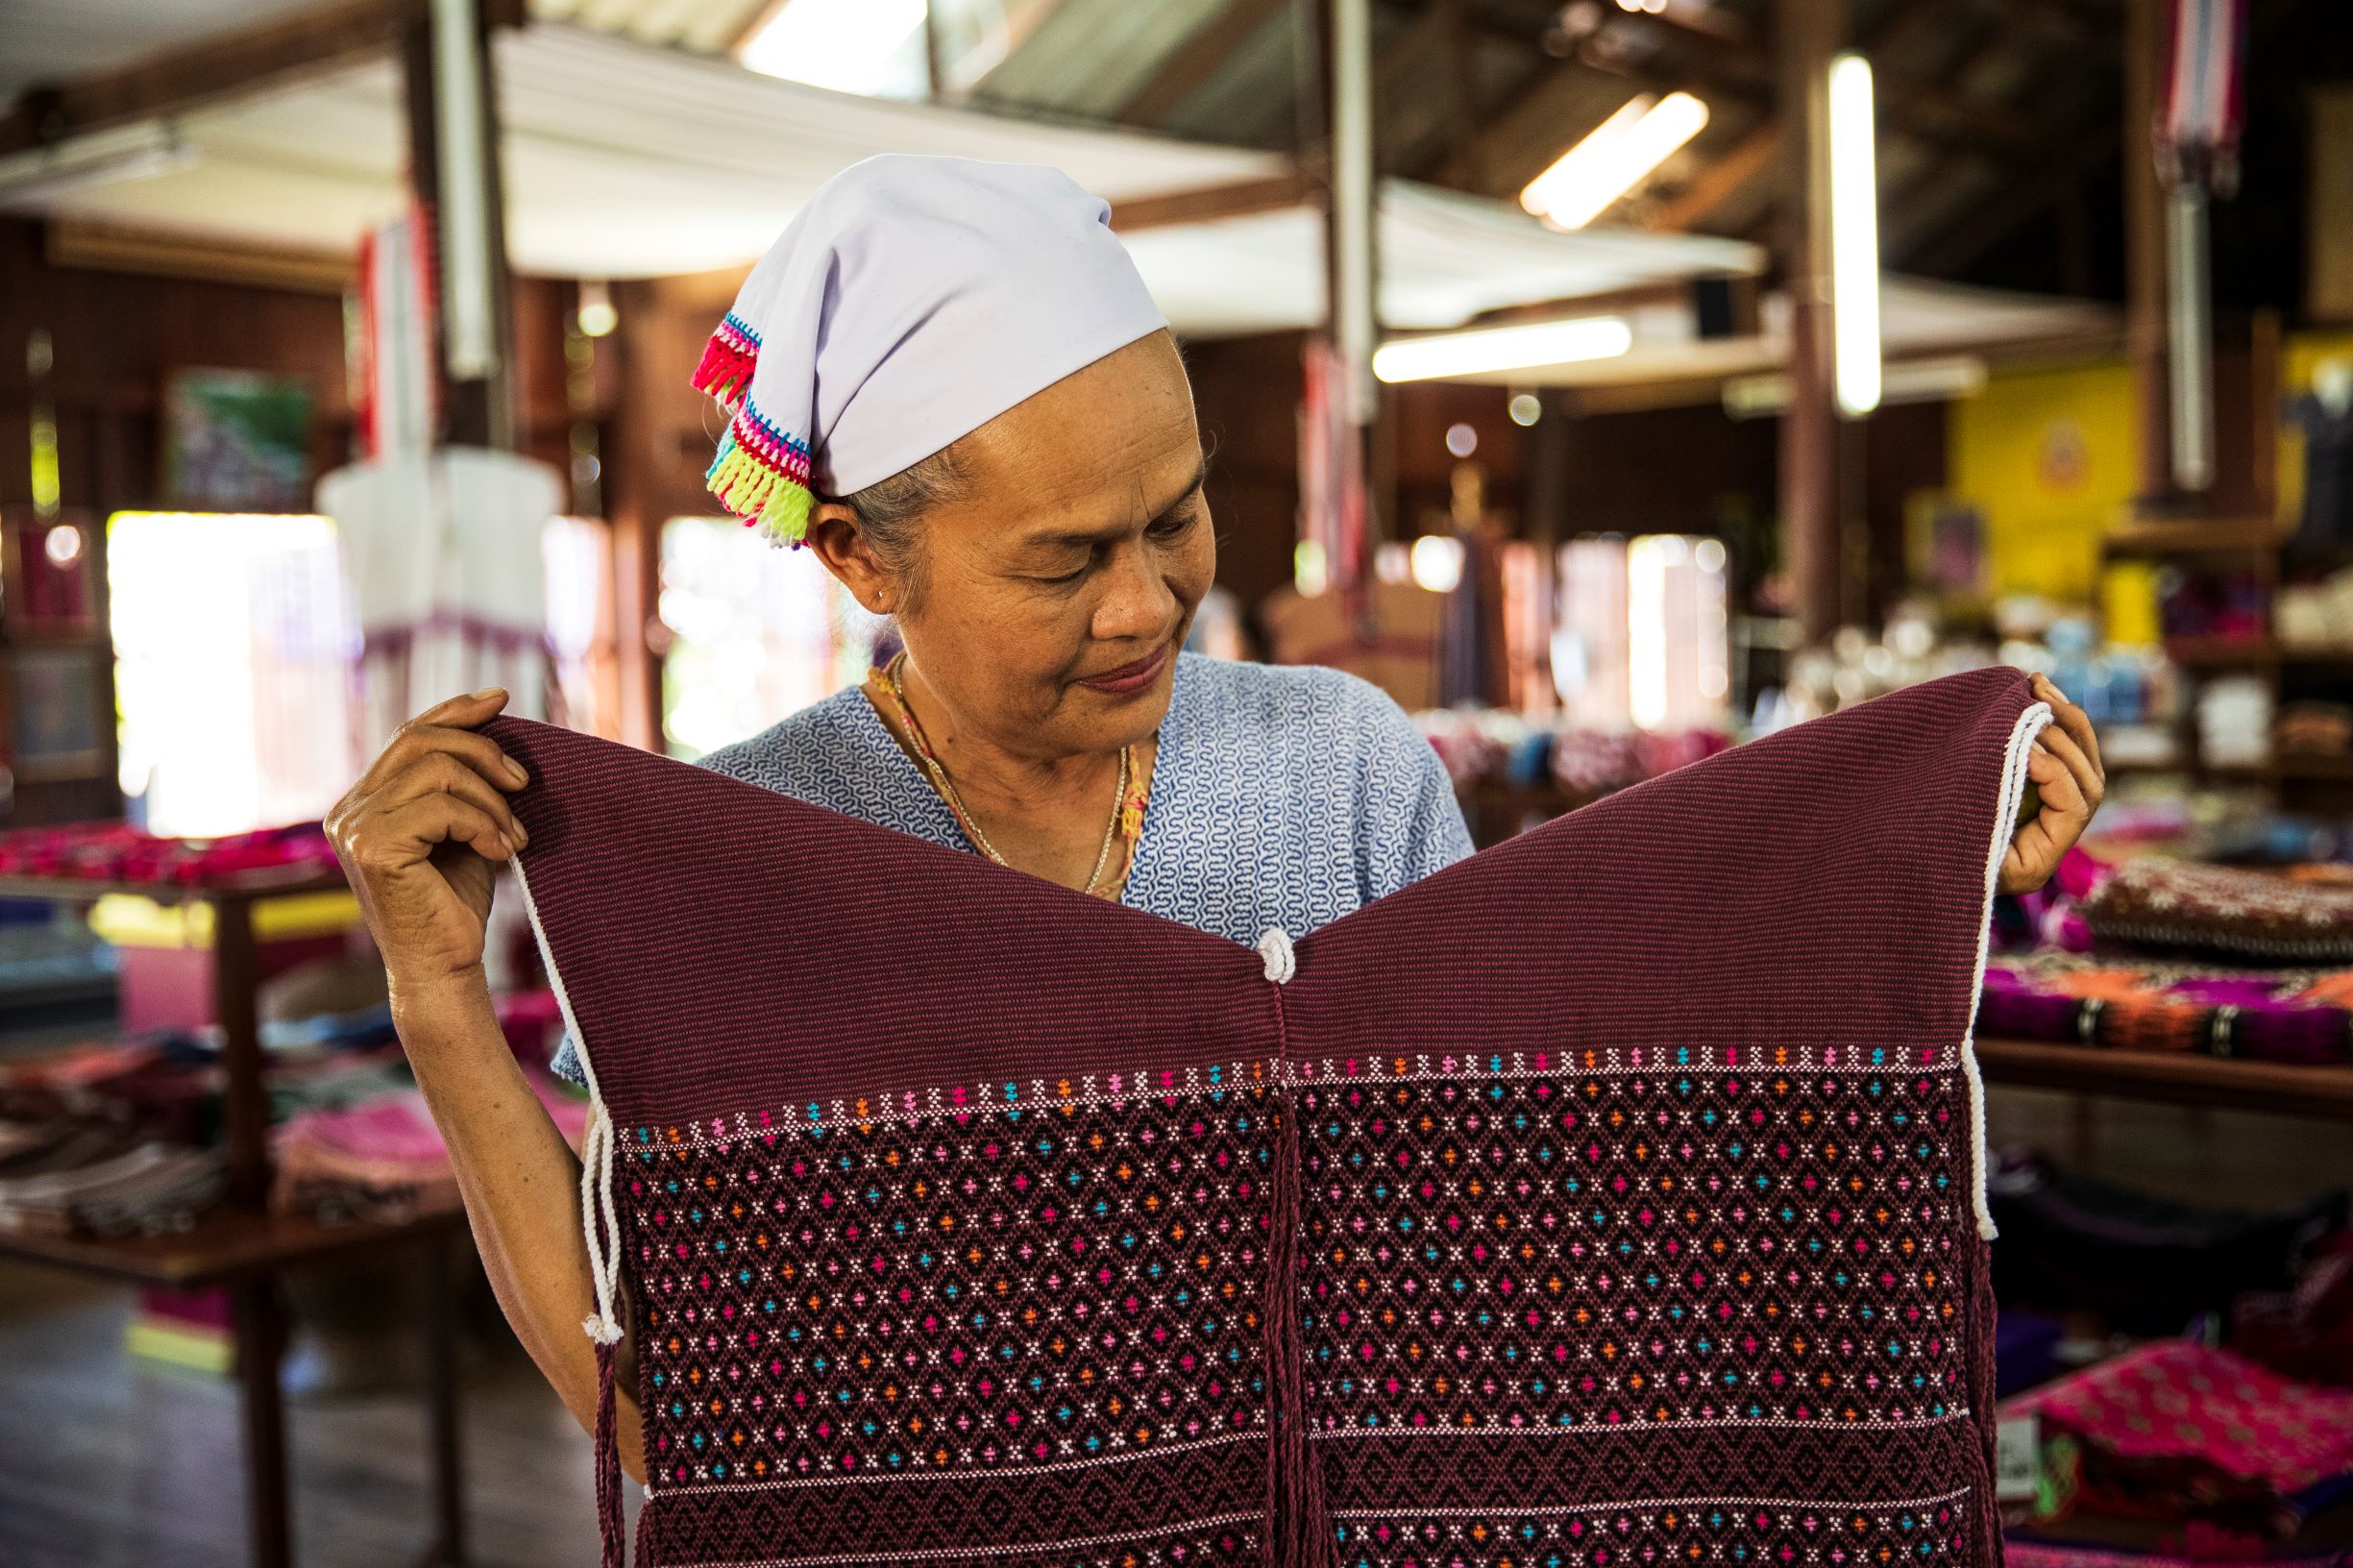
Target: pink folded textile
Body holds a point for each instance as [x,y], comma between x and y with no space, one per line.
[2174,1427]
[382,1159]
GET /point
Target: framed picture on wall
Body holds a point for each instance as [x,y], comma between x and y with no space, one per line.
[49,566]
[237,441]
[57,706]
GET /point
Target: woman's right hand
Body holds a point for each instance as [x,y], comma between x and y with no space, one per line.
[417,836]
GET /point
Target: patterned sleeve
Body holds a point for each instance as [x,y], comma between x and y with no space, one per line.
[1409,821]
[566,1062]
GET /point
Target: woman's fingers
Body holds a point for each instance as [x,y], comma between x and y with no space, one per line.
[402,837]
[2036,847]
[419,739]
[2090,786]
[442,774]
[2070,719]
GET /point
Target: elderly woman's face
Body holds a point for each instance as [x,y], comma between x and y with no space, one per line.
[1058,584]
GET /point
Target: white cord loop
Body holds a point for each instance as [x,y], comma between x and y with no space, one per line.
[2012,791]
[600,1220]
[1275,947]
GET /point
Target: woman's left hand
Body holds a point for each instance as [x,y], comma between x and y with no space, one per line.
[2064,764]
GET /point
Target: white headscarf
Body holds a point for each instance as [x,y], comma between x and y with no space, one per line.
[911,300]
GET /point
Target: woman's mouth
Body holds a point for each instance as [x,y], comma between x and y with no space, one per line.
[1129,678]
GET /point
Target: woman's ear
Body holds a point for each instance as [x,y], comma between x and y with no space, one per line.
[833,535]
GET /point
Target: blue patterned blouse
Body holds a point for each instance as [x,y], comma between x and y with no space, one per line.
[1282,796]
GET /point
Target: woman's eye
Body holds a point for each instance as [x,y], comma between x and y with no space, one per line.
[1170,527]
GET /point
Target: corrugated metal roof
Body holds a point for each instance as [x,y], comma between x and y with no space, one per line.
[55,41]
[703,27]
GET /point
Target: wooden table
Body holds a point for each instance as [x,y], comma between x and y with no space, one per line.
[242,1247]
[2175,1078]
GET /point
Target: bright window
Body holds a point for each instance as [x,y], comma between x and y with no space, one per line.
[235,643]
[233,649]
[757,633]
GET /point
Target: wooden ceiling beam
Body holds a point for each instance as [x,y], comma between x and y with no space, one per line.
[1722,178]
[1961,238]
[1197,60]
[1742,68]
[1276,194]
[302,47]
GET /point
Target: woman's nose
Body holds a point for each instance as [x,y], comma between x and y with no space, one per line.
[1137,602]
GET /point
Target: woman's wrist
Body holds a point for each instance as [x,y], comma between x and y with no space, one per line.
[430,1007]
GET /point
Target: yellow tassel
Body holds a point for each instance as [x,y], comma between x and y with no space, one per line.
[762,497]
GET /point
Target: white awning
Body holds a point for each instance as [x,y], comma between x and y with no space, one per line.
[627,161]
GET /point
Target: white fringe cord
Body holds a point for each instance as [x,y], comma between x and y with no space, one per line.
[2012,790]
[600,1220]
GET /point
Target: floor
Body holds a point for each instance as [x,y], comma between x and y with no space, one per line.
[113,1463]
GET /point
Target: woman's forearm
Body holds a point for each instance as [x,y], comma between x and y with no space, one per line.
[521,1185]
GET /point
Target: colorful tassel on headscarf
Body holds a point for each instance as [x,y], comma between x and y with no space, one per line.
[761,475]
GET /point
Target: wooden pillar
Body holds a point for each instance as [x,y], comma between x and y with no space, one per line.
[476,403]
[1545,505]
[636,502]
[1811,494]
[2145,268]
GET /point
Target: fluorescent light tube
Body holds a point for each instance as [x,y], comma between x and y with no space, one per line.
[137,152]
[1613,158]
[1854,237]
[1486,349]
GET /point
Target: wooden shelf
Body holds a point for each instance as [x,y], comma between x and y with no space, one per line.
[2194,536]
[2220,653]
[2302,766]
[2239,653]
[225,1244]
[2173,1078]
[269,882]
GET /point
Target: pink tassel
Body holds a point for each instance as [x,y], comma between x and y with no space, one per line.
[725,370]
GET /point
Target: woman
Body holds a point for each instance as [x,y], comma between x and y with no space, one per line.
[1005,460]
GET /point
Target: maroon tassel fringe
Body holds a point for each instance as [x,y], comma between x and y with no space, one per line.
[1295,1536]
[1981,1398]
[609,1527]
[644,1535]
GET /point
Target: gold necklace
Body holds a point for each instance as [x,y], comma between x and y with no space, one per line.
[955,802]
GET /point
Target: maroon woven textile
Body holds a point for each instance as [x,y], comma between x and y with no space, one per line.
[1608,1198]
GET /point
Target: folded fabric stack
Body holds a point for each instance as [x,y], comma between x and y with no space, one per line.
[2296,1015]
[2305,1330]
[1588,760]
[56,1180]
[2018,1552]
[118,852]
[1494,744]
[164,1087]
[2179,1431]
[2143,1264]
[2157,902]
[380,1158]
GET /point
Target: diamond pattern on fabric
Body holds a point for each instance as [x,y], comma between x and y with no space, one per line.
[1734,1531]
[1566,1251]
[999,1289]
